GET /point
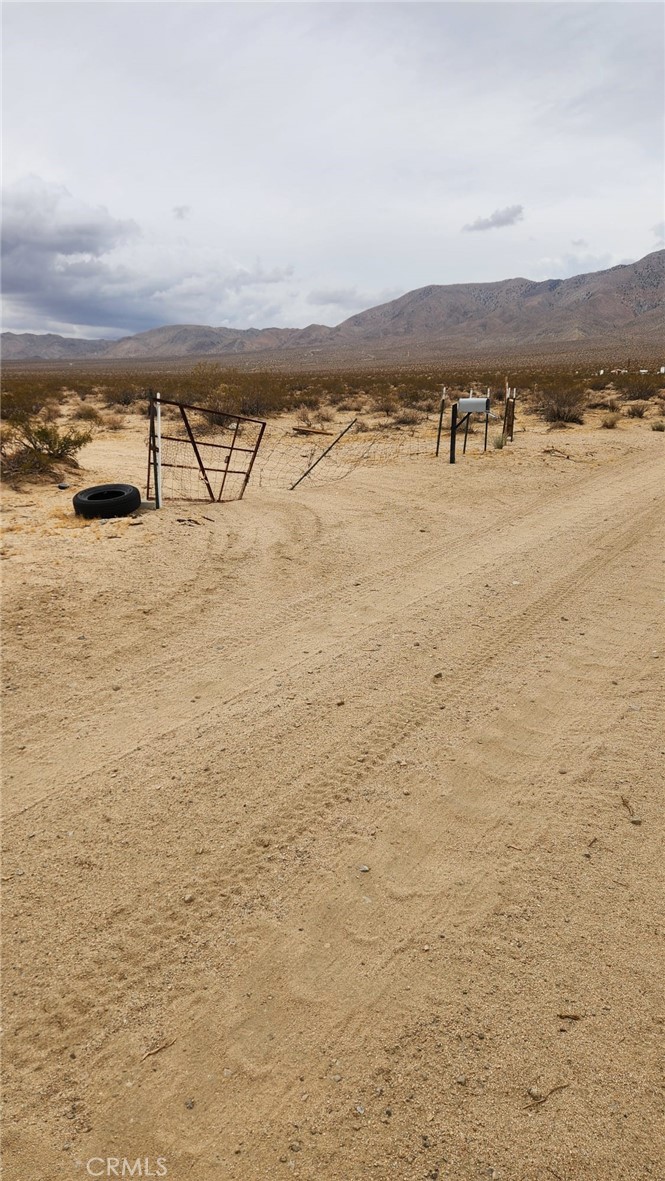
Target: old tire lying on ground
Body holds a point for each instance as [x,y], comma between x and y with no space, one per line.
[107,500]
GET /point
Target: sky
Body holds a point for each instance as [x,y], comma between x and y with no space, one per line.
[281,164]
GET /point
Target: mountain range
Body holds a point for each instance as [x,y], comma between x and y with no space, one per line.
[622,306]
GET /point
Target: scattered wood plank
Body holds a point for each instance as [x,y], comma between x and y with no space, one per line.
[307,430]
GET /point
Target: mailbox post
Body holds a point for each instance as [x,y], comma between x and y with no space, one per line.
[466,407]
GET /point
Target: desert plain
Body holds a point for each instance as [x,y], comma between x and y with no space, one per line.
[332,835]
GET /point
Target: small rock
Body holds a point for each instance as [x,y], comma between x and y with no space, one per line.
[363,868]
[116,688]
[283,1158]
[188,898]
[636,820]
[534,1093]
[337,1078]
[360,1109]
[461,1080]
[189,1103]
[437,677]
[63,487]
[295,1146]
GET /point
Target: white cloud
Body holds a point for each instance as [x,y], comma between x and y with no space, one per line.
[342,144]
[501,217]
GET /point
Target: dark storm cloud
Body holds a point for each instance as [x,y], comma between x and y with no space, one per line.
[501,217]
[60,268]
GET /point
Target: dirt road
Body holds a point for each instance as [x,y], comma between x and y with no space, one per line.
[332,841]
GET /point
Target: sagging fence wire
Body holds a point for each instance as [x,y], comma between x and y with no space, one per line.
[288,456]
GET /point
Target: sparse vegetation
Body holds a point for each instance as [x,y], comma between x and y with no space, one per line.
[658,425]
[636,409]
[609,421]
[561,403]
[637,385]
[34,447]
[31,443]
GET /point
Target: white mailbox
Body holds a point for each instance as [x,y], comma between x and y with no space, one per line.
[473,406]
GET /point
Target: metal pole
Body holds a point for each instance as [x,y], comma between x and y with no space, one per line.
[158,465]
[323,454]
[151,444]
[487,425]
[453,431]
[466,433]
[442,407]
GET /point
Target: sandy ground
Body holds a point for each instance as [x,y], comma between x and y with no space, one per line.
[332,845]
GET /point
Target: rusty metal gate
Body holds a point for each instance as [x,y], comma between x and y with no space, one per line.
[198,453]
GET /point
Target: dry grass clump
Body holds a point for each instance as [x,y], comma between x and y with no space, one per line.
[86,412]
[324,414]
[407,418]
[608,403]
[609,421]
[636,409]
[114,422]
[658,425]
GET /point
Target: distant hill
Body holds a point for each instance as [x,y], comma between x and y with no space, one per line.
[621,305]
[30,346]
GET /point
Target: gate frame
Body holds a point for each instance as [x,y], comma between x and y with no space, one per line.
[155,461]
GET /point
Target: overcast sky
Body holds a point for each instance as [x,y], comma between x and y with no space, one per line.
[255,164]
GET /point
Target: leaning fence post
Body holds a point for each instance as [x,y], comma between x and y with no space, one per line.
[323,454]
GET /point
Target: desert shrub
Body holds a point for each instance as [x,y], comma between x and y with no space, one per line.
[609,421]
[498,442]
[561,403]
[659,425]
[608,403]
[124,396]
[637,385]
[23,403]
[303,415]
[636,409]
[85,412]
[407,418]
[113,422]
[324,414]
[34,447]
[385,403]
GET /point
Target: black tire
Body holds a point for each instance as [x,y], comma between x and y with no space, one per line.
[107,500]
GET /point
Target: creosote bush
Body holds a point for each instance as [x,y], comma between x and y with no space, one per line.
[36,448]
[561,403]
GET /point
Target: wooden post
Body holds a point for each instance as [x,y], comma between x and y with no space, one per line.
[453,431]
